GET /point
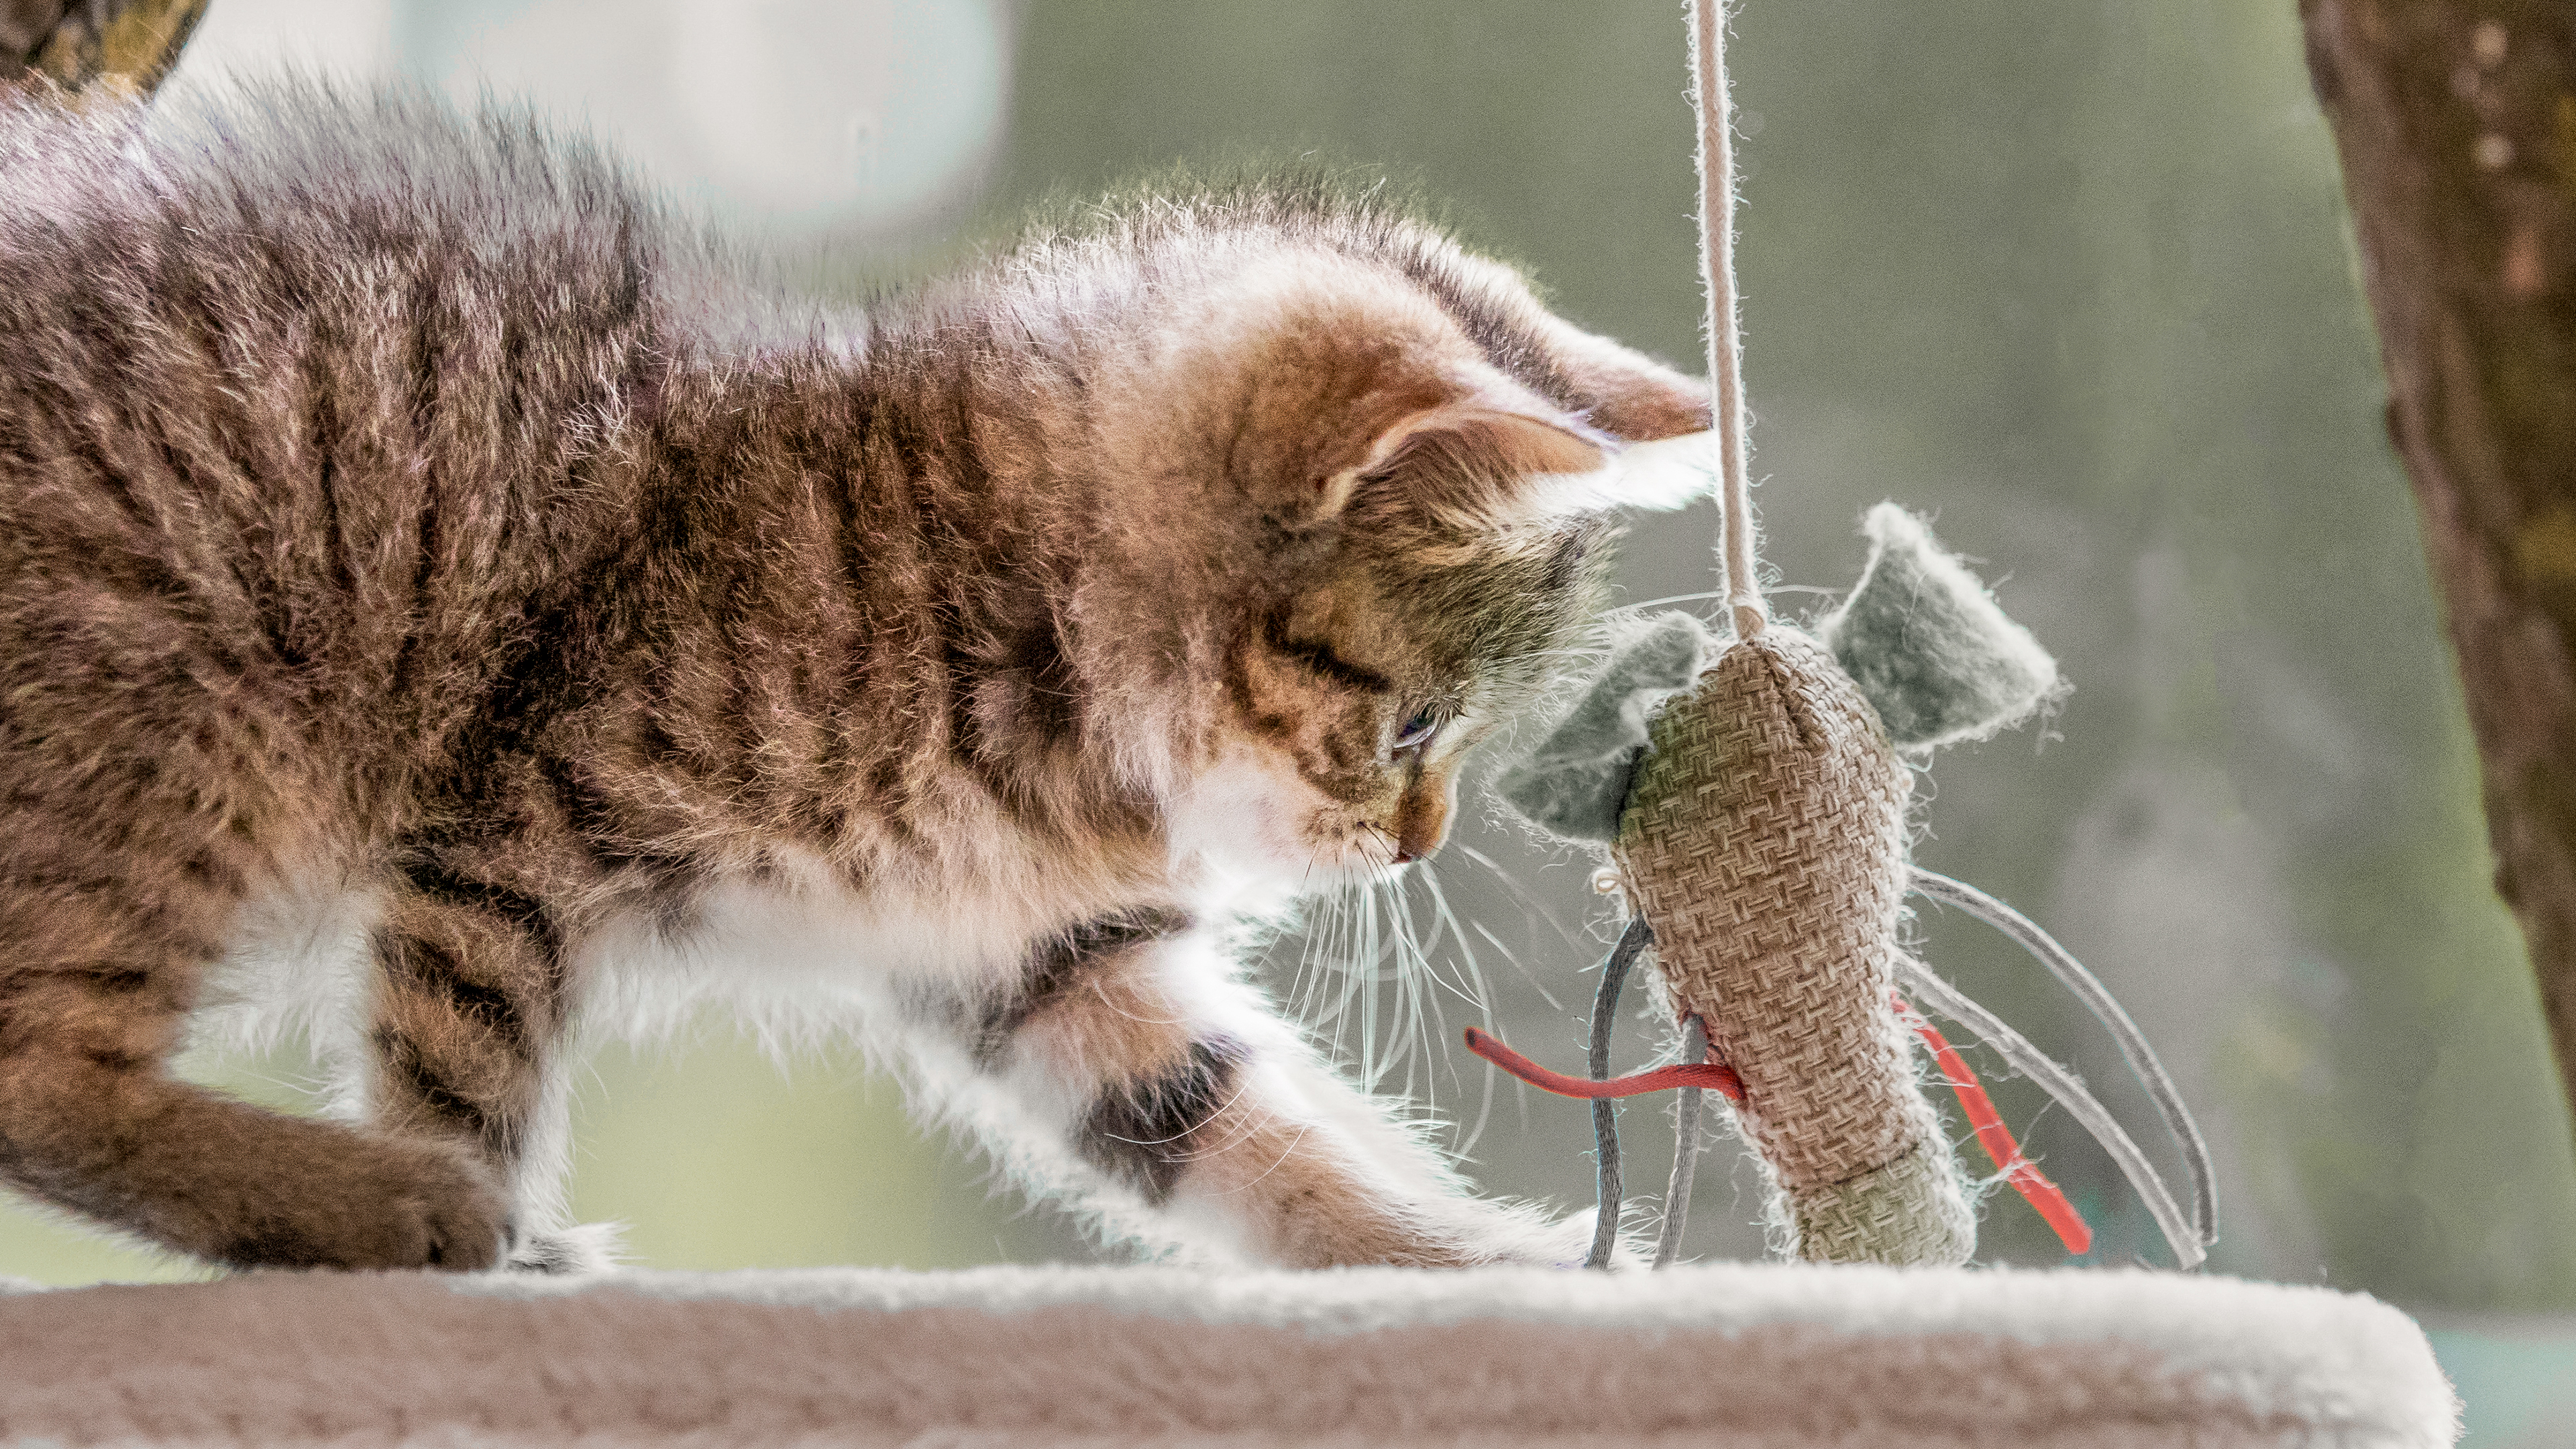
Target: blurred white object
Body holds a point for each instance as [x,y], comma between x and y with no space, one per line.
[802,113]
[339,37]
[1780,1355]
[796,114]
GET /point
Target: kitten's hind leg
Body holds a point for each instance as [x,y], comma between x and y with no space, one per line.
[1179,1084]
[96,976]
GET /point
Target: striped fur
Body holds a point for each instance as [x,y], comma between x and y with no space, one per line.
[447,600]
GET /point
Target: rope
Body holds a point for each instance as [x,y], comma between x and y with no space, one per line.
[2043,1195]
[2070,1093]
[1717,1076]
[1725,340]
[2025,1177]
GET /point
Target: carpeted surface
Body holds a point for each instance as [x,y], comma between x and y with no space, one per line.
[1731,1355]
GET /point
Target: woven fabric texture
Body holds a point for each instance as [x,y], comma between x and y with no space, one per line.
[1765,843]
[1912,1212]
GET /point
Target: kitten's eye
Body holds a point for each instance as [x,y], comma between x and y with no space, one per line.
[1424,724]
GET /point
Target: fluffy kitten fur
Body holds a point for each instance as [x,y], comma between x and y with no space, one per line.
[447,602]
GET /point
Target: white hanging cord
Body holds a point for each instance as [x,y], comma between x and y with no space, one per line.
[1725,375]
[1725,342]
[2106,1008]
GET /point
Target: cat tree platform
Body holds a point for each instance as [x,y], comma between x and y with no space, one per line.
[1780,1357]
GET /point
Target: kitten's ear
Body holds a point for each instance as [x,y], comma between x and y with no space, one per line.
[1465,438]
[1617,389]
[1624,392]
[1476,455]
[1447,443]
[1507,459]
[1665,474]
[1665,417]
[1496,436]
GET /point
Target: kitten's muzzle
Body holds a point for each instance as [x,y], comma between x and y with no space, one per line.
[1422,815]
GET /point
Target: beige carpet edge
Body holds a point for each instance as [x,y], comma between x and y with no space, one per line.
[1751,1355]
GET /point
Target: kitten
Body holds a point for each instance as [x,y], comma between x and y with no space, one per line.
[447,603]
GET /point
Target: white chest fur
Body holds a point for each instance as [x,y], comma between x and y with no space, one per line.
[799,956]
[796,954]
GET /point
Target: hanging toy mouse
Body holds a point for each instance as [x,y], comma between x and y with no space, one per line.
[1753,806]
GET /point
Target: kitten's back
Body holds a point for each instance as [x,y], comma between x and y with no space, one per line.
[314,384]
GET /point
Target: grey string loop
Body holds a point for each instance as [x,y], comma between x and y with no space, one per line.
[2189,1243]
[1677,1194]
[1609,1188]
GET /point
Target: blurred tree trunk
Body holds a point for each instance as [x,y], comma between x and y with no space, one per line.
[2456,122]
[121,47]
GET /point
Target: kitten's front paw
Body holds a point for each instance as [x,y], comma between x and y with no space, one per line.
[451,1216]
[398,1204]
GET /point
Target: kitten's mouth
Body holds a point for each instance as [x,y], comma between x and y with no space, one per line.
[1377,842]
[1337,853]
[1383,847]
[1249,819]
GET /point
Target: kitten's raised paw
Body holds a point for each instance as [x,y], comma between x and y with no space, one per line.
[405,1205]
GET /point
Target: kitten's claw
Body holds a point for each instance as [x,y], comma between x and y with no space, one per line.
[453,1223]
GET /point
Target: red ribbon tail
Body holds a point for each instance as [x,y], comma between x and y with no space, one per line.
[2043,1195]
[1715,1076]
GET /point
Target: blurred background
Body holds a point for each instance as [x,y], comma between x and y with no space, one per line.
[2073,279]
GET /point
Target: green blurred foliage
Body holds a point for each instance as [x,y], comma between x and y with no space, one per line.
[717,1157]
[711,1153]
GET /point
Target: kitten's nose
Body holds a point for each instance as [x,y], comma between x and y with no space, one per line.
[1422,820]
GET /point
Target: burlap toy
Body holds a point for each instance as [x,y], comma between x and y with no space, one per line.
[1764,844]
[1755,809]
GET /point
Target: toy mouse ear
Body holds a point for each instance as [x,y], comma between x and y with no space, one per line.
[1576,782]
[1929,647]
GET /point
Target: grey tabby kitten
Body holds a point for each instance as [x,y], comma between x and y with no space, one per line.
[448,606]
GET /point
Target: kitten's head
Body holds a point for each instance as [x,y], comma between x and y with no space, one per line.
[1365,485]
